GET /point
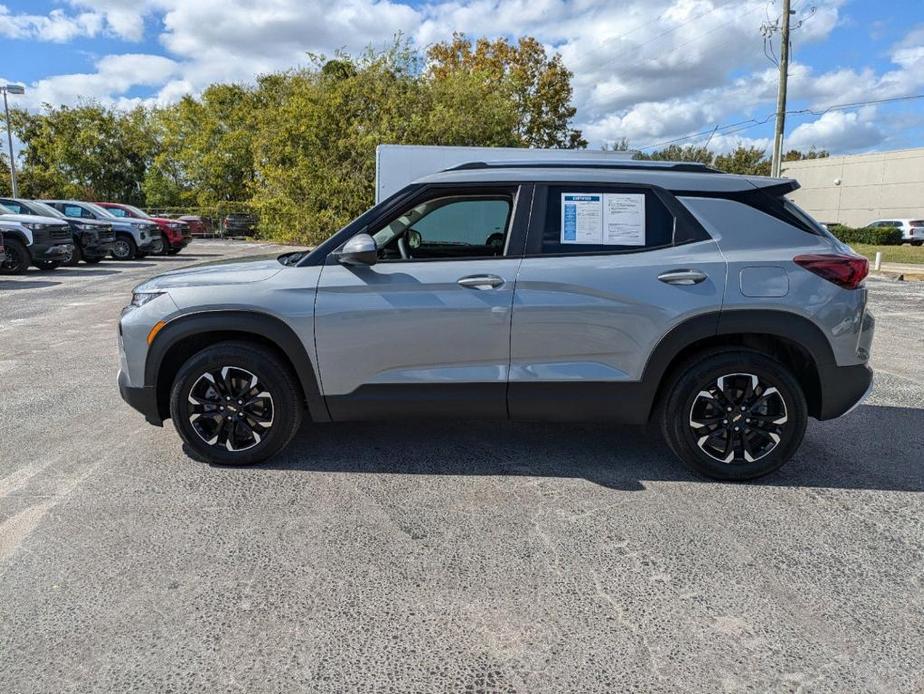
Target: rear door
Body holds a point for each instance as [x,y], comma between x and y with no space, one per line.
[426,330]
[609,271]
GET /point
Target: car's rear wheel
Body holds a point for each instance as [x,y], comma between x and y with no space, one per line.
[17,258]
[124,248]
[734,415]
[235,404]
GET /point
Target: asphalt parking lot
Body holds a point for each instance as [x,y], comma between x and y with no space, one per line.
[440,556]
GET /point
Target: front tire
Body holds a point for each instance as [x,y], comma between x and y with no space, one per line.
[734,415]
[17,258]
[235,404]
[124,248]
[158,246]
[75,257]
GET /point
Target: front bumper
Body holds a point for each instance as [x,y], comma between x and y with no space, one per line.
[843,388]
[99,250]
[58,251]
[143,399]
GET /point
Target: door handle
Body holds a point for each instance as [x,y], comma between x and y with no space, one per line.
[686,277]
[481,282]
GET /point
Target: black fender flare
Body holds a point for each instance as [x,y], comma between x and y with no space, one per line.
[256,323]
[15,235]
[773,322]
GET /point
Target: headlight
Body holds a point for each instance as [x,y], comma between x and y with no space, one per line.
[141,298]
[86,227]
[174,225]
[34,226]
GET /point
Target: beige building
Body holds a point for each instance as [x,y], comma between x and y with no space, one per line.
[860,188]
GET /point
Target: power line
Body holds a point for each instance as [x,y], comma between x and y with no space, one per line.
[754,122]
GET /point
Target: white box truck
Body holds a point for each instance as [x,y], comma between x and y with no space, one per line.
[398,165]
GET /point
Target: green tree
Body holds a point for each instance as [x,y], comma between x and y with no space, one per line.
[680,153]
[751,161]
[539,86]
[204,148]
[87,151]
[6,182]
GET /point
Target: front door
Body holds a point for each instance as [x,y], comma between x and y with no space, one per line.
[426,330]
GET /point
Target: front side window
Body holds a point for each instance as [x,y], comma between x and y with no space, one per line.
[76,211]
[447,227]
[604,219]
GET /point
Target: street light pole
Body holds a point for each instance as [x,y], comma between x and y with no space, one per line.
[11,89]
[777,157]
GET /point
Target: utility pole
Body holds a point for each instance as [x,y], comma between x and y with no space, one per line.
[781,93]
[11,89]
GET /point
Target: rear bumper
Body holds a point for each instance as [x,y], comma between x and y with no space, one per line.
[843,388]
[143,399]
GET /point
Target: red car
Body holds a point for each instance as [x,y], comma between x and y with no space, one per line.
[176,234]
[197,225]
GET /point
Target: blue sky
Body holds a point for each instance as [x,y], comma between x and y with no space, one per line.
[653,71]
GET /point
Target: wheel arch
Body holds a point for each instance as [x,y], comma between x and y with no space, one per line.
[788,337]
[182,337]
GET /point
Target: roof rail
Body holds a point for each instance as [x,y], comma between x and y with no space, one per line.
[626,164]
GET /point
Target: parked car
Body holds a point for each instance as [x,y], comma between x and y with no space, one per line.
[92,239]
[239,224]
[912,229]
[198,226]
[2,250]
[33,240]
[175,234]
[134,238]
[704,301]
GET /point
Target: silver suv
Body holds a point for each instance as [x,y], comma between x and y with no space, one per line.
[625,292]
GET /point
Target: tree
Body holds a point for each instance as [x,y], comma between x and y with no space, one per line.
[539,86]
[87,151]
[751,161]
[204,149]
[680,153]
[6,181]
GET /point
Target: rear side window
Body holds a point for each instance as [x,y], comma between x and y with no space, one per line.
[604,219]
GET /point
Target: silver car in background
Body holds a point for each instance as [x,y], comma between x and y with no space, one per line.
[623,292]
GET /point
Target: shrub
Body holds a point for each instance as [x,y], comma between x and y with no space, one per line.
[876,236]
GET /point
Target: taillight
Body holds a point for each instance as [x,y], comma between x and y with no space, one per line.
[844,270]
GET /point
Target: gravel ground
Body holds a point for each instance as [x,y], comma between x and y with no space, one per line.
[440,556]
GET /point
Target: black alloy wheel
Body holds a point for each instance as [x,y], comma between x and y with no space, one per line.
[733,413]
[236,403]
[17,258]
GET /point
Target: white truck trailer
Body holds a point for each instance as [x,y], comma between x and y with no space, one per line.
[398,165]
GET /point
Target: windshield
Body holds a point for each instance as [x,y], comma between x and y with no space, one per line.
[43,209]
[135,211]
[101,211]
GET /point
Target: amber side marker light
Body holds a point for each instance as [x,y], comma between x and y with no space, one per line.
[158,326]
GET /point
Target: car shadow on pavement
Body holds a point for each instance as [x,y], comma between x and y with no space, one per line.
[86,271]
[873,448]
[26,284]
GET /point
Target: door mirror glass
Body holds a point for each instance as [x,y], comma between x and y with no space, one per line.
[359,250]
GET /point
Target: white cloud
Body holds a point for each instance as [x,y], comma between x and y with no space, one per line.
[838,131]
[649,70]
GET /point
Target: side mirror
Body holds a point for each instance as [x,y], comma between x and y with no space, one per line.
[359,250]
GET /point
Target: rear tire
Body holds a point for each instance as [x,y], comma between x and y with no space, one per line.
[734,414]
[17,258]
[124,248]
[235,403]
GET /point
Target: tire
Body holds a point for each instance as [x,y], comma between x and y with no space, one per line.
[93,260]
[208,376]
[173,251]
[695,407]
[47,265]
[75,257]
[17,260]
[124,248]
[140,254]
[158,246]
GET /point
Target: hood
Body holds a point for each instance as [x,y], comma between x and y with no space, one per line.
[89,222]
[167,220]
[212,274]
[30,219]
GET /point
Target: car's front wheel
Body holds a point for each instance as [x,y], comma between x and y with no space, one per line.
[124,248]
[235,403]
[17,258]
[734,415]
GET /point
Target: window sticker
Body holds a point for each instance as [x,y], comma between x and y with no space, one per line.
[624,219]
[581,217]
[610,219]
